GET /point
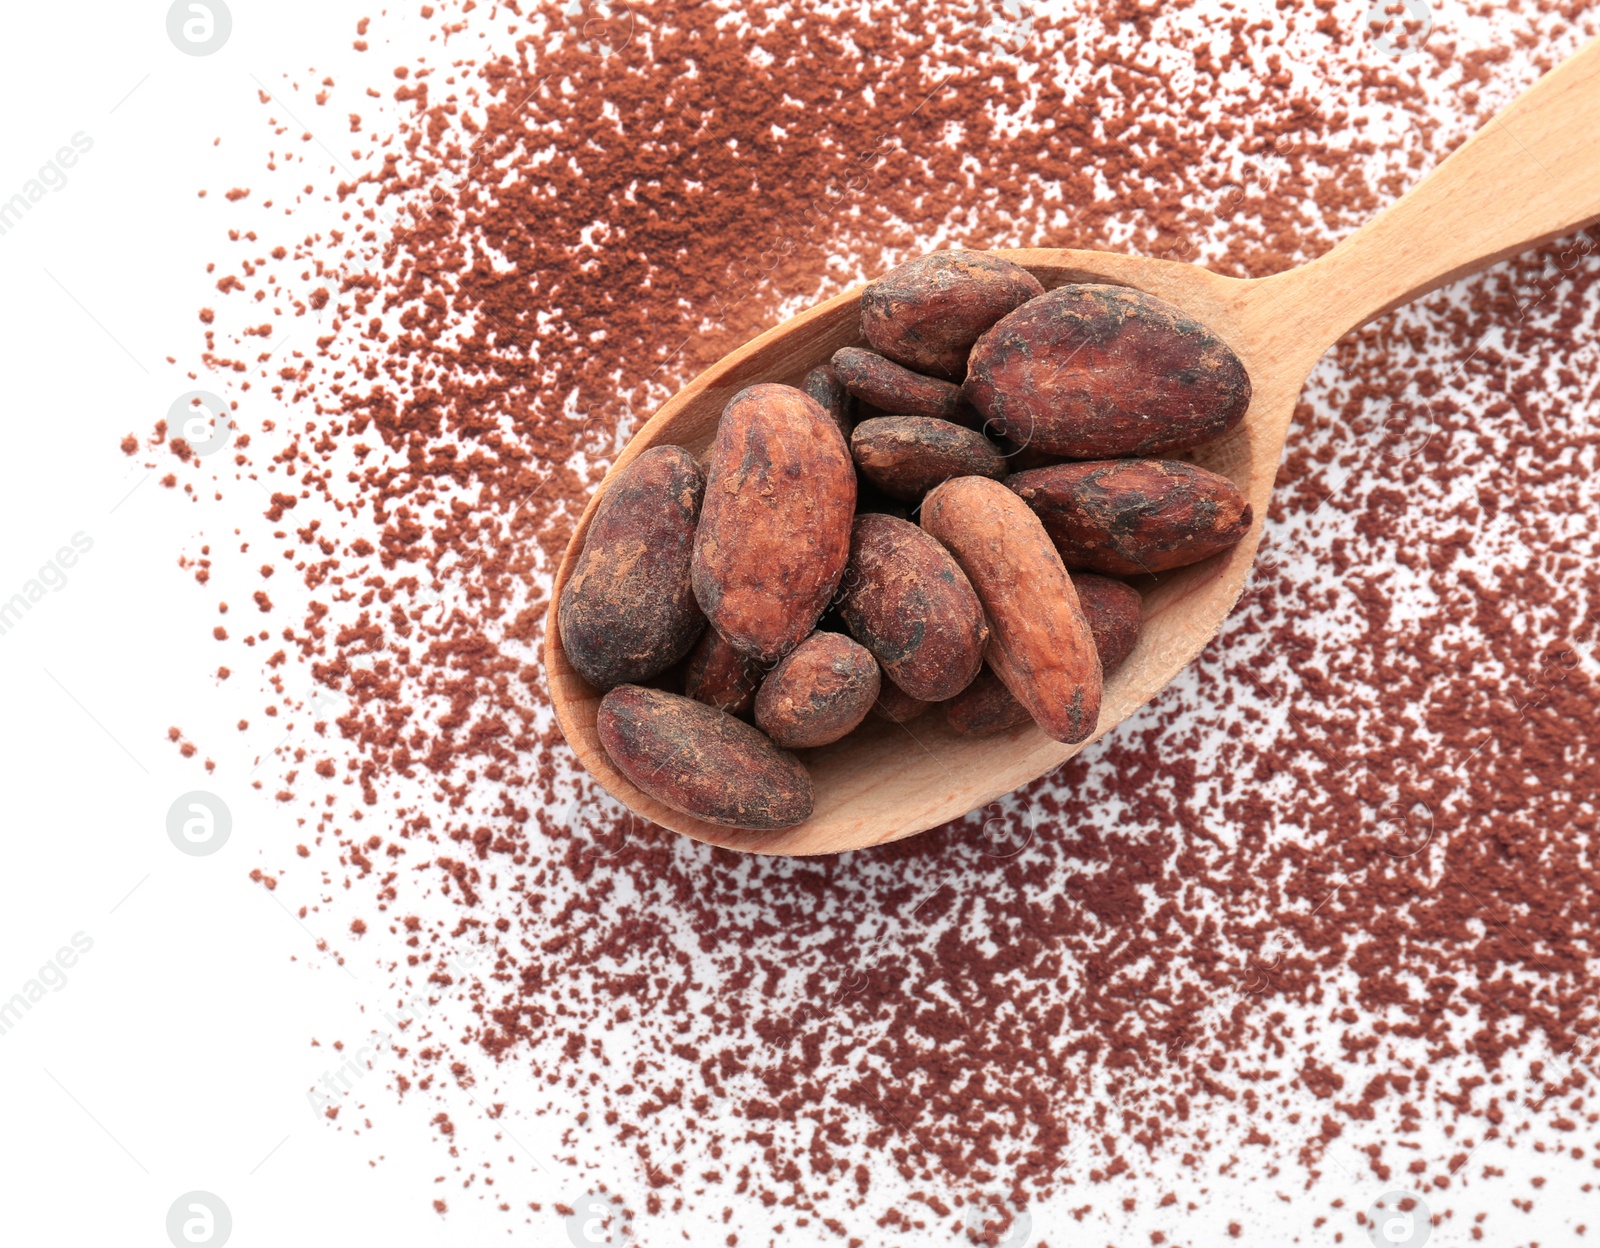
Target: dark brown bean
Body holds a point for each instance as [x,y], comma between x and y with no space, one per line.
[927,312]
[1040,642]
[823,385]
[1115,611]
[985,707]
[702,761]
[1091,372]
[1127,516]
[908,602]
[720,676]
[628,613]
[817,693]
[906,456]
[774,533]
[896,705]
[897,390]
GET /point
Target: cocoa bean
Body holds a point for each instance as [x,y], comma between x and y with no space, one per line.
[702,761]
[896,705]
[1115,611]
[1127,516]
[908,602]
[906,456]
[1040,644]
[897,390]
[1091,372]
[627,612]
[985,707]
[823,385]
[927,312]
[817,693]
[720,676]
[774,533]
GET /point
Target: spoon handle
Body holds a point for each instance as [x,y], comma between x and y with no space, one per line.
[1531,175]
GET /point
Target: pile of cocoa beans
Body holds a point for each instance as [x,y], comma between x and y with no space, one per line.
[938,518]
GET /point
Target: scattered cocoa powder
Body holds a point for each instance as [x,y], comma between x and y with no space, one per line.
[1344,863]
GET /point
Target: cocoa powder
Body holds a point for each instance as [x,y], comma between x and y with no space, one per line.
[1347,923]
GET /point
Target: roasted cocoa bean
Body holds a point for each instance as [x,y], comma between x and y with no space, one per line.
[627,612]
[1091,372]
[720,676]
[817,693]
[823,385]
[702,761]
[774,533]
[897,390]
[985,707]
[896,705]
[927,312]
[907,600]
[906,456]
[1115,611]
[1040,644]
[1127,516]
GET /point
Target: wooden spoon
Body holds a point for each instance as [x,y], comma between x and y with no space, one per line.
[1531,175]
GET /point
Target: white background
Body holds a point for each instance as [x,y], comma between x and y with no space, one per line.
[177,1056]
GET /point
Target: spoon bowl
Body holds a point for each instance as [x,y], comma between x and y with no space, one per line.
[886,781]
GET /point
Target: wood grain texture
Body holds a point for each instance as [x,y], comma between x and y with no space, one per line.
[892,780]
